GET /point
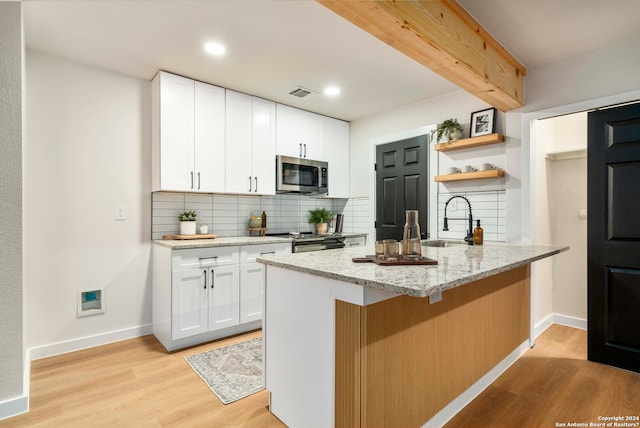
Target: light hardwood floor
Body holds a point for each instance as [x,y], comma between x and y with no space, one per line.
[554,384]
[136,383]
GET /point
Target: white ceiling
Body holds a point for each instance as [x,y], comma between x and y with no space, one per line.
[276,45]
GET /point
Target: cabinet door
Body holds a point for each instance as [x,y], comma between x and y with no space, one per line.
[336,151]
[224,297]
[312,136]
[264,147]
[238,145]
[288,131]
[176,132]
[188,303]
[209,138]
[251,292]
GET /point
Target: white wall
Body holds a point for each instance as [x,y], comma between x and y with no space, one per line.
[594,79]
[12,364]
[374,129]
[87,150]
[458,104]
[560,193]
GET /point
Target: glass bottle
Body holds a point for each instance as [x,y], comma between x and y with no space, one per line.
[411,247]
[264,219]
[478,233]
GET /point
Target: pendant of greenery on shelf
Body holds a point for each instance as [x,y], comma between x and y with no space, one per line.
[450,129]
[320,215]
[188,216]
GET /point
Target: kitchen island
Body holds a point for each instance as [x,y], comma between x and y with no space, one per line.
[351,344]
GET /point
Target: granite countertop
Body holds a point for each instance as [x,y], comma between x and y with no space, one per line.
[221,241]
[232,241]
[457,265]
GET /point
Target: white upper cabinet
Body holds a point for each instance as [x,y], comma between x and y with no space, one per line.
[250,143]
[187,135]
[336,150]
[299,133]
[209,138]
[264,146]
[238,153]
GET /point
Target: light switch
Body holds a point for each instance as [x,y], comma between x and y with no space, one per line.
[121,214]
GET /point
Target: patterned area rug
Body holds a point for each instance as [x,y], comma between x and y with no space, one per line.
[232,372]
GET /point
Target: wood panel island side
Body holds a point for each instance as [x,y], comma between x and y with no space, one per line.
[359,345]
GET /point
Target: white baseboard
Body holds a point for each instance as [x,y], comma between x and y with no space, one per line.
[570,321]
[451,409]
[560,319]
[39,352]
[542,326]
[14,407]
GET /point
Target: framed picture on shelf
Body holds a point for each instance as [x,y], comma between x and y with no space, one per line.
[483,122]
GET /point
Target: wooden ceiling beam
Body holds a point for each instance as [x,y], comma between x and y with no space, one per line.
[443,37]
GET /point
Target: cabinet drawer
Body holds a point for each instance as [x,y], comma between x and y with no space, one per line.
[199,257]
[248,253]
[355,241]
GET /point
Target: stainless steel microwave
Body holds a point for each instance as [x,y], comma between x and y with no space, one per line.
[301,175]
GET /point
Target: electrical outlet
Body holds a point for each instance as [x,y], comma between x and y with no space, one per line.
[120,213]
[435,297]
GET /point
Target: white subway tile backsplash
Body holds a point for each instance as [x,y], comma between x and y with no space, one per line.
[228,215]
[487,206]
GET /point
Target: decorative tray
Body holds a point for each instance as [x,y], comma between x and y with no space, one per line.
[207,236]
[399,262]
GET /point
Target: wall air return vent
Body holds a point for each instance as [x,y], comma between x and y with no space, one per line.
[301,92]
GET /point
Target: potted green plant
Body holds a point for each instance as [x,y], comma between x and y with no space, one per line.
[449,130]
[320,217]
[188,222]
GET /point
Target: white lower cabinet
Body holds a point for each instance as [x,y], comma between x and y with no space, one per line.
[252,279]
[202,294]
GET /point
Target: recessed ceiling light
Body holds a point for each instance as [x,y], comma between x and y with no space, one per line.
[332,91]
[215,48]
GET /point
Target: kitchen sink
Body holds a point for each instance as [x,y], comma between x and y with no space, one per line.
[441,243]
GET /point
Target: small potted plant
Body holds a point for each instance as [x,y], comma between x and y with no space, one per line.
[320,217]
[449,130]
[188,222]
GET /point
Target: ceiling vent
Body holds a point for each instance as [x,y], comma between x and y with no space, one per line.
[301,92]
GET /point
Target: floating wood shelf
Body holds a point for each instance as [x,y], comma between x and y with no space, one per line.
[466,143]
[492,173]
[567,154]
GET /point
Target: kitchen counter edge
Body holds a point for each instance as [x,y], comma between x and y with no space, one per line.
[412,280]
[233,241]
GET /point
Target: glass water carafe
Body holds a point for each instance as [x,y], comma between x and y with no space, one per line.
[411,249]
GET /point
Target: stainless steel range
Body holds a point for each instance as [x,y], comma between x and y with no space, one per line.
[307,241]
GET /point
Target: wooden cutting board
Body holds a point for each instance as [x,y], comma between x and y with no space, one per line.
[207,236]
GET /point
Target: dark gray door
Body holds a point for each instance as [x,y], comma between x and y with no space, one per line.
[401,184]
[613,230]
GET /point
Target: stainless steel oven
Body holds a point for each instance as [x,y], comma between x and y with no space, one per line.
[301,175]
[304,242]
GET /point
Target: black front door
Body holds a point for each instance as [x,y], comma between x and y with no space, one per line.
[613,231]
[401,184]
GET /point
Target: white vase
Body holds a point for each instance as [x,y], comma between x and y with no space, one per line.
[187,228]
